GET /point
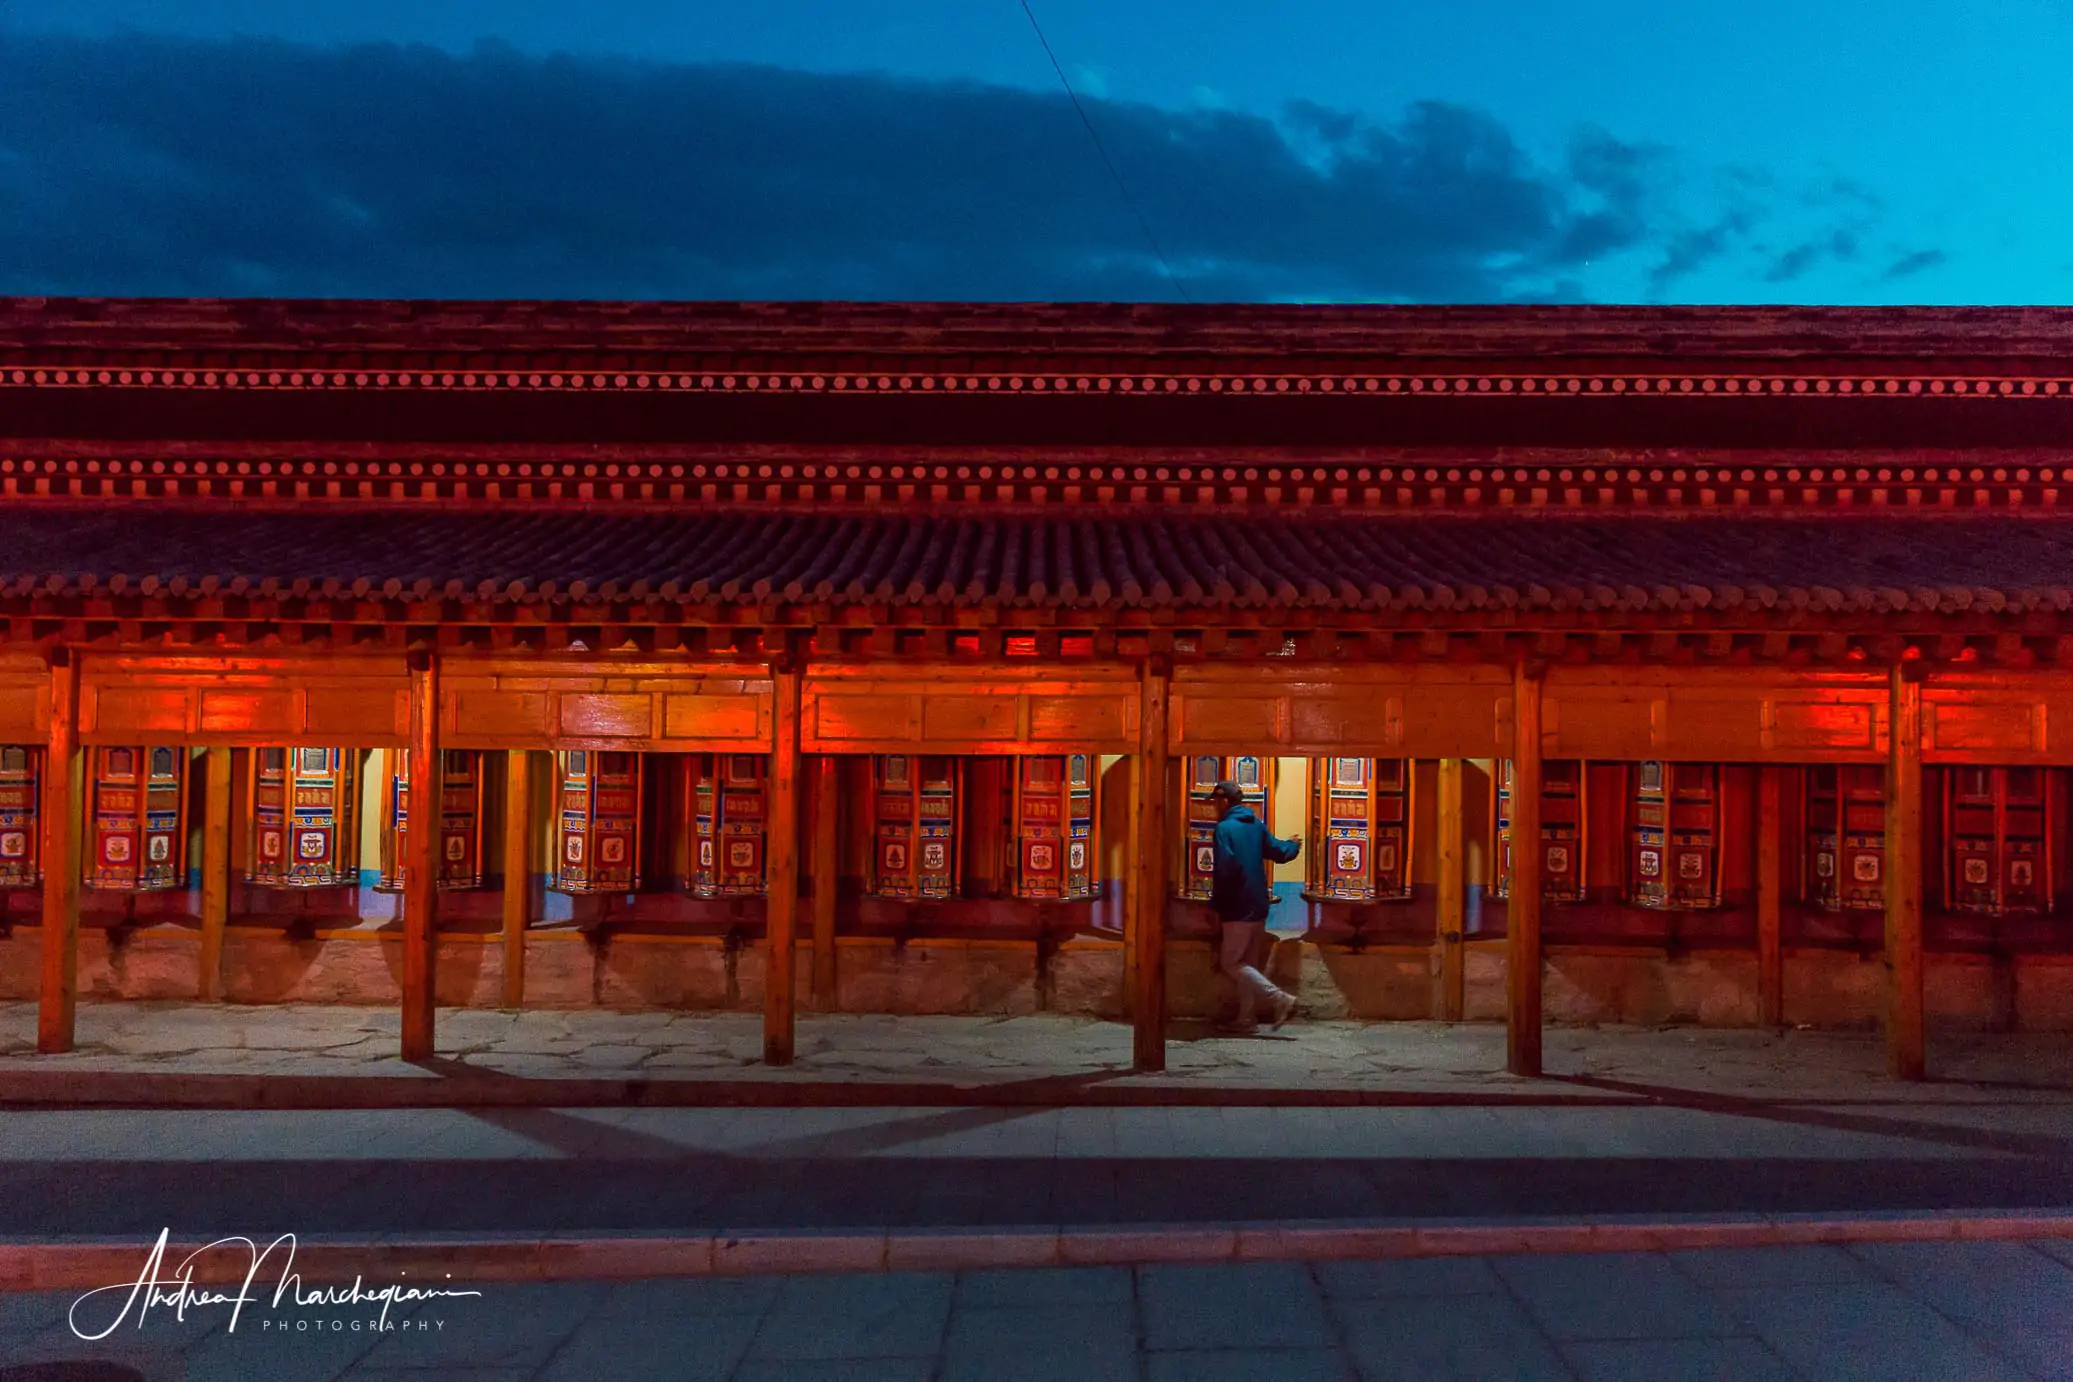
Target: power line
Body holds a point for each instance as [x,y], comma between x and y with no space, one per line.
[1128,200]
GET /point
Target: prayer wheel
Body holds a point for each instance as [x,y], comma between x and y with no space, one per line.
[728,796]
[137,819]
[1054,811]
[303,805]
[461,795]
[1846,838]
[916,803]
[1997,831]
[1360,830]
[1563,825]
[20,840]
[1674,836]
[598,824]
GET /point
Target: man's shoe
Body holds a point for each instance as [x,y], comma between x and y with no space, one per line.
[1284,1008]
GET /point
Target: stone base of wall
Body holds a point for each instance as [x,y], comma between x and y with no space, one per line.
[1710,989]
[1085,979]
[569,969]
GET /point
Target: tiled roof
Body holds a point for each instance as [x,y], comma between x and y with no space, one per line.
[1120,328]
[1077,559]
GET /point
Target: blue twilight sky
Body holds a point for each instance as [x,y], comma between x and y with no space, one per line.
[1850,151]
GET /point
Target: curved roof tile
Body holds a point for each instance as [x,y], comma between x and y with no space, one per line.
[1184,561]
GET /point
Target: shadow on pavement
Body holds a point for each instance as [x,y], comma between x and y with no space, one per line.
[620,1180]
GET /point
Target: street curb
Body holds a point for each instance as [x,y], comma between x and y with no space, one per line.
[466,1089]
[82,1265]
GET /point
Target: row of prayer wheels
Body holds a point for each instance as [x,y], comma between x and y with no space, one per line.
[1996,832]
[1996,836]
[301,812]
[302,821]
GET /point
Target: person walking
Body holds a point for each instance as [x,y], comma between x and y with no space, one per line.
[1240,896]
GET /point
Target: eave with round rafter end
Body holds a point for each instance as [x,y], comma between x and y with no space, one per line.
[1596,482]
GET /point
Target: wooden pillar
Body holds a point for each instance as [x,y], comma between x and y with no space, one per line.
[1152,848]
[1132,901]
[421,862]
[1770,953]
[1522,914]
[782,911]
[58,820]
[518,870]
[1904,1030]
[827,877]
[216,790]
[1450,861]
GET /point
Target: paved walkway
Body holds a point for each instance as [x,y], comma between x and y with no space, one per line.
[498,1056]
[1953,1312]
[962,1122]
[677,1171]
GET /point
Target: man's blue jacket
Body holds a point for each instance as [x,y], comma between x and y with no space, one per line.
[1239,890]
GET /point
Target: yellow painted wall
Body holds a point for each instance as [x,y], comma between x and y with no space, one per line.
[1290,811]
[1115,815]
[375,768]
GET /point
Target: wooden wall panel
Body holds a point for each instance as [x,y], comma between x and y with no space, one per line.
[1604,722]
[1347,719]
[1462,725]
[733,719]
[1820,727]
[24,701]
[362,702]
[1710,724]
[951,717]
[353,717]
[1760,714]
[1714,715]
[240,711]
[1985,729]
[591,715]
[503,714]
[838,718]
[968,710]
[132,710]
[1097,718]
[2004,717]
[1202,718]
[647,707]
[1404,711]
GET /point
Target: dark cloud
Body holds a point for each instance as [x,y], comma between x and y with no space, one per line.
[133,164]
[1908,265]
[1848,190]
[1692,250]
[1622,178]
[1841,245]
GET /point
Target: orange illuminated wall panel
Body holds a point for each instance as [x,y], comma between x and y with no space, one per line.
[916,800]
[460,822]
[303,806]
[1846,838]
[137,819]
[598,825]
[1054,827]
[1561,829]
[727,812]
[1360,821]
[1997,829]
[1674,838]
[20,782]
[1255,779]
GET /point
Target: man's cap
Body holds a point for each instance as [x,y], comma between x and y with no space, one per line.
[1229,790]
